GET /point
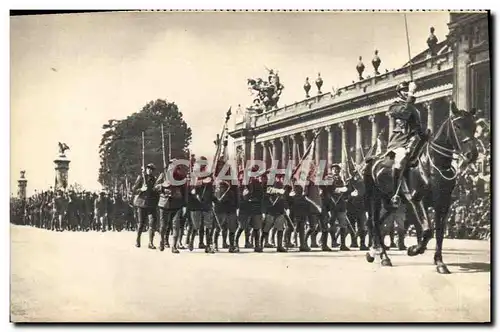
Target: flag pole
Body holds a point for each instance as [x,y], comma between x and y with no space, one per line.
[408,44]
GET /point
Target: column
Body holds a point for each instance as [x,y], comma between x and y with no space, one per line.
[252,149]
[391,123]
[373,119]
[359,141]
[22,184]
[329,130]
[283,152]
[273,150]
[344,140]
[305,142]
[430,115]
[318,147]
[265,153]
[294,149]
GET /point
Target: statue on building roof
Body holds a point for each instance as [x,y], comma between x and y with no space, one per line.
[256,106]
[307,87]
[376,62]
[432,42]
[360,67]
[268,92]
[319,83]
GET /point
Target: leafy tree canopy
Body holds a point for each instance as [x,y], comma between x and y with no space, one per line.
[121,143]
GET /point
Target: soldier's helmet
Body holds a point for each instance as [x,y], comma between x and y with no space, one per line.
[336,166]
[151,166]
[402,89]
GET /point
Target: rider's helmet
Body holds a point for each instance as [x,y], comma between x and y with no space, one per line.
[402,90]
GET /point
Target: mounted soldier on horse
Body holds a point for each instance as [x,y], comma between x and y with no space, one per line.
[418,170]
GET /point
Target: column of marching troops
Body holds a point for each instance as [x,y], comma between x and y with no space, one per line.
[219,213]
[268,216]
[78,211]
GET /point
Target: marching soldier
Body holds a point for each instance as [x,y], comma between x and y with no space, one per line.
[119,212]
[146,200]
[201,209]
[172,207]
[299,212]
[251,211]
[101,211]
[83,212]
[110,200]
[356,212]
[242,213]
[228,196]
[338,209]
[277,211]
[73,204]
[60,207]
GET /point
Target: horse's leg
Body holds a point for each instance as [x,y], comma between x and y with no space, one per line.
[370,230]
[385,260]
[420,214]
[441,208]
[376,232]
[369,207]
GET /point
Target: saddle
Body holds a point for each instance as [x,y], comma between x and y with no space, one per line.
[387,159]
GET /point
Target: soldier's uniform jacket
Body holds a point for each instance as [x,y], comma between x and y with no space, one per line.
[101,206]
[204,194]
[82,211]
[299,207]
[60,204]
[253,201]
[340,198]
[275,203]
[407,124]
[228,198]
[149,197]
[88,205]
[119,207]
[73,205]
[172,197]
[110,206]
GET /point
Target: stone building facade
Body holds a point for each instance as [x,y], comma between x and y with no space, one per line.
[351,118]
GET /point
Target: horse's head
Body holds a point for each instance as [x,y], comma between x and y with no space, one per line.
[463,128]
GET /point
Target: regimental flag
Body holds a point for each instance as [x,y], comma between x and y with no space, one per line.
[306,167]
[305,174]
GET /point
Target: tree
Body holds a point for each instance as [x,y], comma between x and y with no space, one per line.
[120,147]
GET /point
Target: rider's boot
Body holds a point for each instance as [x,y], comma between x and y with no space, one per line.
[396,174]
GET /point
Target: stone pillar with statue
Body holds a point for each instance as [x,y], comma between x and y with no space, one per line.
[62,168]
[22,183]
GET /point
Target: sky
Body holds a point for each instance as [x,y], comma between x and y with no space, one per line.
[71,73]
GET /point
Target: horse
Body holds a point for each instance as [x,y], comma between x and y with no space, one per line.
[428,181]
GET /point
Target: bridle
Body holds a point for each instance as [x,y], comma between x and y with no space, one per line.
[446,152]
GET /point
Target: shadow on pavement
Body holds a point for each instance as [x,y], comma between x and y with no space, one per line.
[472,267]
[323,255]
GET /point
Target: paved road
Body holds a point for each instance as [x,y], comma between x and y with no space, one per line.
[102,277]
